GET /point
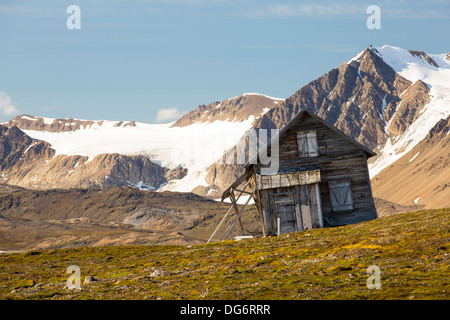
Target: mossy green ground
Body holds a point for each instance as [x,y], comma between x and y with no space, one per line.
[411,250]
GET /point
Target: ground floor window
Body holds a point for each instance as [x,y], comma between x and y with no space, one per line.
[341,195]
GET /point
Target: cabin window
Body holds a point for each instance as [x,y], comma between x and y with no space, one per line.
[307,144]
[341,195]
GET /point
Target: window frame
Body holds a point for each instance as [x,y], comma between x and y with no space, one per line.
[307,139]
[348,203]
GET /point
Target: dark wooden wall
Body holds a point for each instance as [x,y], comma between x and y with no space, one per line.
[338,158]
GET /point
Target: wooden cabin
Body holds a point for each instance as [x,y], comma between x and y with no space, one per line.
[322,180]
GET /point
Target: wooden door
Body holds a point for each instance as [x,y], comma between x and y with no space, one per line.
[310,206]
[286,211]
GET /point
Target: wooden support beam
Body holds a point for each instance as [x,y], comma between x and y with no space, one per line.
[236,208]
[220,223]
[258,202]
[235,220]
[243,191]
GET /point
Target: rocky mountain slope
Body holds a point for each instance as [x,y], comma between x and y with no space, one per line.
[27,122]
[172,156]
[386,97]
[234,109]
[376,95]
[357,97]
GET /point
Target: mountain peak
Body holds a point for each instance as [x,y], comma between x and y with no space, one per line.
[236,109]
[398,57]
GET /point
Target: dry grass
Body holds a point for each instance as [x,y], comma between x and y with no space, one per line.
[412,251]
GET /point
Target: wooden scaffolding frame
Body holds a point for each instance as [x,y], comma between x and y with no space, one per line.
[249,181]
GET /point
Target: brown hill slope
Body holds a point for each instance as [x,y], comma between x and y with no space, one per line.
[422,176]
[109,216]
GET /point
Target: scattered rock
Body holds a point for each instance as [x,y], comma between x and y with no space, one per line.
[122,287]
[157,273]
[90,279]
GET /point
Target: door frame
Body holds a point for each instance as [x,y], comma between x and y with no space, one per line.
[297,215]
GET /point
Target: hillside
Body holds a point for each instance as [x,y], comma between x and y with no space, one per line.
[411,250]
[421,176]
[60,218]
[69,218]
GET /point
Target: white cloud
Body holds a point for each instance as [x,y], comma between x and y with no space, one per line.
[169,114]
[310,10]
[352,9]
[6,107]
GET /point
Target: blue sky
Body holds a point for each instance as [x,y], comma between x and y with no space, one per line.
[133,58]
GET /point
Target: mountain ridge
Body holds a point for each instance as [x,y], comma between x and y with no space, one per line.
[33,163]
[386,98]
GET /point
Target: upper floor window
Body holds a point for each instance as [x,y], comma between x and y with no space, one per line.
[307,144]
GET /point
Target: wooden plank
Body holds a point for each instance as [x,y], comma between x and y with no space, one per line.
[290,179]
[319,204]
[234,201]
[275,180]
[266,211]
[221,221]
[237,218]
[293,179]
[298,210]
[306,216]
[266,182]
[259,205]
[243,191]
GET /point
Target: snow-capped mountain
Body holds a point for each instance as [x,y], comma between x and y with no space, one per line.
[183,149]
[386,97]
[433,70]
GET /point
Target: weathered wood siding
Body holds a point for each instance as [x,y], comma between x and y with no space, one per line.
[338,159]
[306,207]
[287,179]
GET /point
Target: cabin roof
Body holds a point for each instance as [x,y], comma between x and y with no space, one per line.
[301,114]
